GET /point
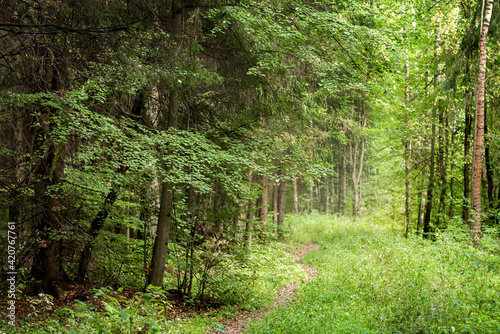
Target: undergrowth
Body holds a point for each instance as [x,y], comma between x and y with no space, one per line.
[268,268]
[371,280]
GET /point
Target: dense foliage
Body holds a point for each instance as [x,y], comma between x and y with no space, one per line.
[156,144]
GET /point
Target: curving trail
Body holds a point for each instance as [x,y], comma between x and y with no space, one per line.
[283,297]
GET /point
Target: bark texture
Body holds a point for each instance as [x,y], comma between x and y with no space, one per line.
[47,262]
[478,153]
[407,153]
[467,134]
[356,157]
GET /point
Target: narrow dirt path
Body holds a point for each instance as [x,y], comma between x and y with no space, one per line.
[283,298]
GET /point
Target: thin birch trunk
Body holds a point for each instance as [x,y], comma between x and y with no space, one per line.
[477,162]
[407,152]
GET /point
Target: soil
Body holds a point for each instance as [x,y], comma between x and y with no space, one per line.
[283,297]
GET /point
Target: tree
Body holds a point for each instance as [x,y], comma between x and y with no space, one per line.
[478,151]
[407,153]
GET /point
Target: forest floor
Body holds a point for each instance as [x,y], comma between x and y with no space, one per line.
[283,298]
[365,278]
[83,309]
[372,280]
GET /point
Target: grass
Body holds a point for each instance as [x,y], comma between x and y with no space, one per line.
[371,280]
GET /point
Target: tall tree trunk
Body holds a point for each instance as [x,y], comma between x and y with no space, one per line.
[310,197]
[281,204]
[467,135]
[160,248]
[477,160]
[430,186]
[250,208]
[47,262]
[264,202]
[442,139]
[442,166]
[443,143]
[407,151]
[430,189]
[318,195]
[357,172]
[275,203]
[421,207]
[449,148]
[327,196]
[487,159]
[296,196]
[343,186]
[334,193]
[248,224]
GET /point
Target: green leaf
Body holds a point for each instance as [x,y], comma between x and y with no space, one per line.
[124,314]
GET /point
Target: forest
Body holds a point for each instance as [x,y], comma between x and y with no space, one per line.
[171,166]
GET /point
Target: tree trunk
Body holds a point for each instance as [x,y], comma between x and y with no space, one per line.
[343,187]
[296,196]
[356,174]
[160,247]
[327,196]
[452,168]
[281,205]
[430,186]
[442,134]
[477,160]
[357,148]
[318,196]
[249,214]
[47,263]
[264,202]
[430,189]
[441,165]
[487,159]
[421,208]
[310,197]
[248,226]
[275,203]
[334,195]
[407,152]
[467,134]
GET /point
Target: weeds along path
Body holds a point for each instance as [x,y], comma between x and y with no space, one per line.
[283,297]
[372,280]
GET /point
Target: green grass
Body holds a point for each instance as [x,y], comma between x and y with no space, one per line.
[371,280]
